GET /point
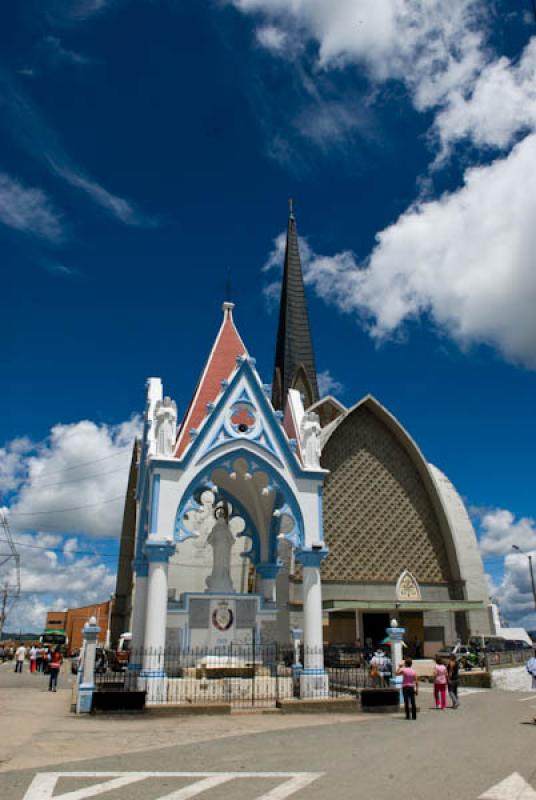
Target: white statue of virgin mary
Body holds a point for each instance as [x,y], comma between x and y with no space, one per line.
[221,540]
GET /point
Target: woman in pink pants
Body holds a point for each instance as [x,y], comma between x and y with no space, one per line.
[440,684]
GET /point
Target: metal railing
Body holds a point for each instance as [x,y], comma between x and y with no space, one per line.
[507,658]
[244,676]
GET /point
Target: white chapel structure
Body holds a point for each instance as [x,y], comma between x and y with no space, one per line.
[270,508]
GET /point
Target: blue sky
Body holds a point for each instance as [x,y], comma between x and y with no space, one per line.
[147,148]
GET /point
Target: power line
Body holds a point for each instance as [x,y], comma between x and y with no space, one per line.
[66,510]
[37,485]
[122,452]
[60,549]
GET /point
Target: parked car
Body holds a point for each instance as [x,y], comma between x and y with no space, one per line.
[101,662]
[466,655]
[121,655]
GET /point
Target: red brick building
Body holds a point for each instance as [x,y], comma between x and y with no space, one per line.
[73,620]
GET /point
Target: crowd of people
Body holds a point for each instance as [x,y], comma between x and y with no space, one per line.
[42,659]
[446,678]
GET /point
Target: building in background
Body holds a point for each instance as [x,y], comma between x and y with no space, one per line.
[71,621]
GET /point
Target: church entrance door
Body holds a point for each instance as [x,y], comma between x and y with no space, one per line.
[341,629]
[413,622]
[374,625]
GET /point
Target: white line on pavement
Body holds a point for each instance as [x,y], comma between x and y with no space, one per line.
[196,788]
[512,788]
[44,784]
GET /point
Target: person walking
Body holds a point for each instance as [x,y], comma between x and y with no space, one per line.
[54,667]
[2,653]
[453,679]
[380,669]
[440,684]
[410,687]
[531,669]
[20,655]
[33,658]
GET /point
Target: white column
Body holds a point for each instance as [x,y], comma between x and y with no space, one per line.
[358,632]
[158,552]
[156,613]
[313,681]
[268,574]
[138,616]
[268,589]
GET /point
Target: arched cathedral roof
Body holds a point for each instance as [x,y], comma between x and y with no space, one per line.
[386,509]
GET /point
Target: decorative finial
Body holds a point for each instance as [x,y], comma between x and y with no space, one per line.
[291,208]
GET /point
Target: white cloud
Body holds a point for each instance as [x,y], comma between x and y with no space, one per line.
[467,259]
[117,206]
[514,592]
[28,210]
[327,384]
[502,103]
[52,579]
[430,45]
[499,530]
[59,54]
[83,467]
[78,465]
[36,137]
[272,38]
[73,12]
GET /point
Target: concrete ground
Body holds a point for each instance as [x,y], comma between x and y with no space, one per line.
[448,754]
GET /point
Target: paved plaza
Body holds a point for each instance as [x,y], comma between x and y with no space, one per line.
[483,750]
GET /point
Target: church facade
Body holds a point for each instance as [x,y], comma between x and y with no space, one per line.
[271,509]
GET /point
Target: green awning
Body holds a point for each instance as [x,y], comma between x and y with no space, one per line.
[404,605]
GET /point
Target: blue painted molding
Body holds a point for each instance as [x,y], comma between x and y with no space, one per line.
[155,499]
[269,571]
[140,567]
[311,558]
[90,632]
[158,550]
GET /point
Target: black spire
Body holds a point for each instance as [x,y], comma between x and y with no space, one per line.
[294,357]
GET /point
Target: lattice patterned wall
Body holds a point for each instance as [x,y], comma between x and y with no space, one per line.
[378,518]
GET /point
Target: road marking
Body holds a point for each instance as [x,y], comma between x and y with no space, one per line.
[44,784]
[512,788]
[526,699]
[198,787]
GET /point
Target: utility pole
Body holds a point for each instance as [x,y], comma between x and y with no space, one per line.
[531,570]
[3,611]
[532,580]
[12,559]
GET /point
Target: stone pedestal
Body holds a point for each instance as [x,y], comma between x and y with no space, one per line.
[217,622]
[86,675]
[395,636]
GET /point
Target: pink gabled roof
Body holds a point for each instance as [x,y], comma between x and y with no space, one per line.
[220,365]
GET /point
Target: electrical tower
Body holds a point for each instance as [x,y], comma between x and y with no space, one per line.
[9,556]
